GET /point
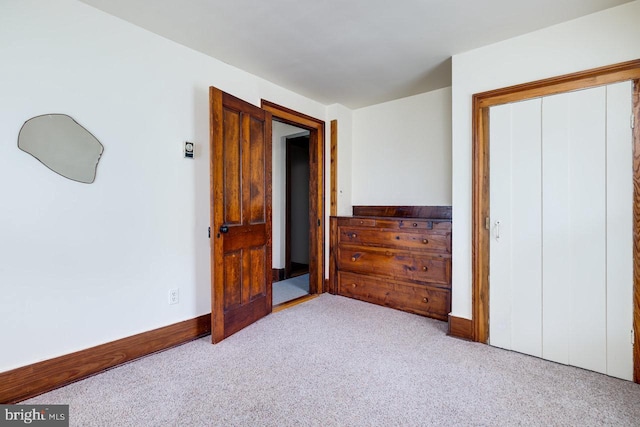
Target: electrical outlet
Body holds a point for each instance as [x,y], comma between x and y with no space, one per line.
[174,296]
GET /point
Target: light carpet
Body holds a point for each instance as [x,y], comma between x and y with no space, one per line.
[334,361]
[289,289]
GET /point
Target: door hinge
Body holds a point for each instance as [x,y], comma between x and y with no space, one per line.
[487,225]
[633,337]
[633,121]
[318,222]
[209,232]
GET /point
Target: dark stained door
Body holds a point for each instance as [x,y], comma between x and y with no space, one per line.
[240,214]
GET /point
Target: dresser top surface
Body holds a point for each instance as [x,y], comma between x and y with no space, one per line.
[414,212]
[392,218]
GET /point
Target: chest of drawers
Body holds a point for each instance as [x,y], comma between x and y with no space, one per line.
[403,263]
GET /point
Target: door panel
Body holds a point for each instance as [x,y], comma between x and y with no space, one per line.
[258,263]
[516,277]
[257,172]
[500,199]
[619,235]
[556,243]
[587,257]
[241,214]
[525,225]
[232,177]
[232,279]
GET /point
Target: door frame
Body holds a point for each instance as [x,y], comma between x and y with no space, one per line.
[316,187]
[480,180]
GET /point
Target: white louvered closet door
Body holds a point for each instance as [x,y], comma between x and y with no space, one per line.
[561,228]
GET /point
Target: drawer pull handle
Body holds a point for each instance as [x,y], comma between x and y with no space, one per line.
[425,299]
[425,268]
[425,241]
[354,235]
[353,285]
[354,259]
[415,224]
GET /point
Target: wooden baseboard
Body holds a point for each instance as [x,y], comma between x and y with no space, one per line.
[29,381]
[460,328]
[277,274]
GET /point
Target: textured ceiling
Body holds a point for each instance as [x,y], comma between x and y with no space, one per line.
[351,52]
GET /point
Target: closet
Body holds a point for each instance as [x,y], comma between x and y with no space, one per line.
[561,246]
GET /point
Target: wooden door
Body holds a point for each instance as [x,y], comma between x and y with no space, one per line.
[561,246]
[240,214]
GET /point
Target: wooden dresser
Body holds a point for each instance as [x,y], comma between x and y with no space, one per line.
[399,257]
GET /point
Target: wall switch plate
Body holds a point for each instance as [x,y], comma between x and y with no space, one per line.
[174,296]
[189,149]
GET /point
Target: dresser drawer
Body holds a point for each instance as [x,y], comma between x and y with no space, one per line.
[418,299]
[359,222]
[396,264]
[412,224]
[415,224]
[401,239]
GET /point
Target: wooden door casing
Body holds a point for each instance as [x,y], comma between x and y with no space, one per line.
[241,202]
[316,188]
[480,189]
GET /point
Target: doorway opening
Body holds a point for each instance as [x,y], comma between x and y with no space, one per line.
[298,205]
[290,177]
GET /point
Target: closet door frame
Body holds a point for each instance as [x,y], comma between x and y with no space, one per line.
[626,71]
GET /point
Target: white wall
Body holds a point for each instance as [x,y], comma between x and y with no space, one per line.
[402,151]
[279,133]
[596,40]
[81,265]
